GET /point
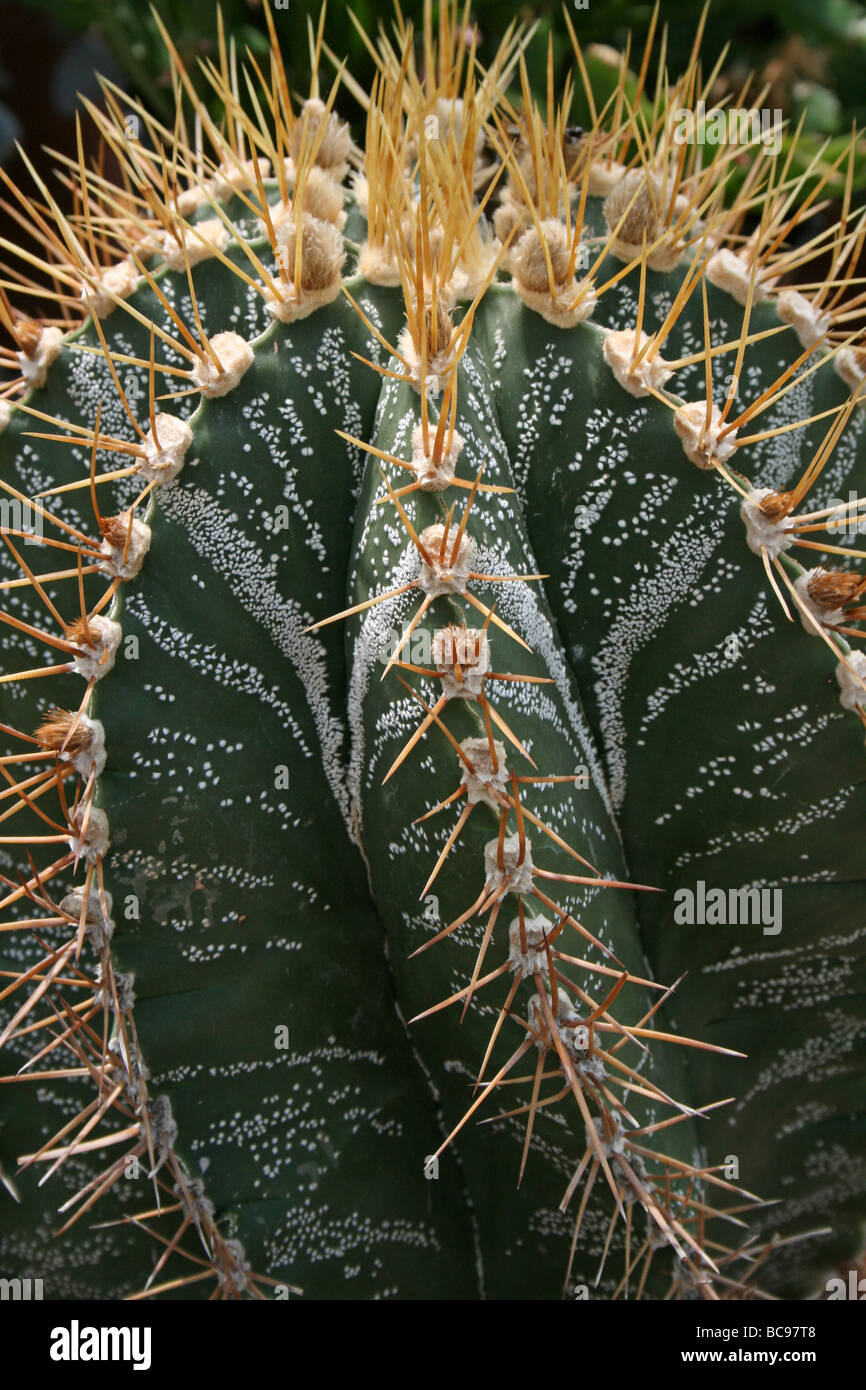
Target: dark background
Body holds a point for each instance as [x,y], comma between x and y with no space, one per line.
[814,54]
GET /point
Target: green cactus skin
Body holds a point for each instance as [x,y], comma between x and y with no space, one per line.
[264,943]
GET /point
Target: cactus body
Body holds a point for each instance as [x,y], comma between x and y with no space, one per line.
[535,414]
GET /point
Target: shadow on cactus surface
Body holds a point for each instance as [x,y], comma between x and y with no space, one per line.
[434,714]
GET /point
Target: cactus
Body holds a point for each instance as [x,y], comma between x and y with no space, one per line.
[433,707]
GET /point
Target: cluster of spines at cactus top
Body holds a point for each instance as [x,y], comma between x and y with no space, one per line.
[457,196]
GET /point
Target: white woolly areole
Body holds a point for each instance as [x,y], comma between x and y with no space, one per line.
[378,264]
[664,257]
[146,244]
[322,198]
[761,531]
[604,176]
[97,660]
[443,577]
[512,212]
[807,322]
[135,547]
[451,117]
[699,440]
[534,959]
[562,312]
[537,1020]
[235,357]
[513,877]
[635,213]
[847,365]
[229,177]
[335,147]
[190,199]
[291,306]
[572,1033]
[616,1143]
[470,276]
[98,926]
[216,238]
[689,1282]
[116,282]
[5,415]
[468,648]
[550,241]
[94,843]
[322,256]
[531,275]
[72,903]
[432,476]
[823,617]
[619,349]
[728,272]
[163,461]
[236,1274]
[482,781]
[278,213]
[91,759]
[35,369]
[438,365]
[565,1010]
[853,690]
[575,1035]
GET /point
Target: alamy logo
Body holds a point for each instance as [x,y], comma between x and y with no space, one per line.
[728,126]
[21,518]
[736,907]
[77,1343]
[847,520]
[18,1289]
[855,1289]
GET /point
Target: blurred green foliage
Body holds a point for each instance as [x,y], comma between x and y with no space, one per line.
[128,30]
[812,55]
[834,32]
